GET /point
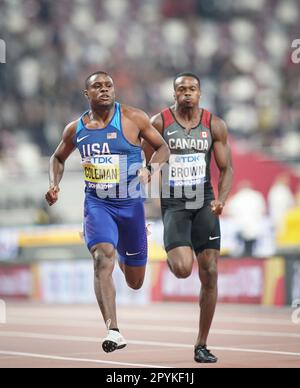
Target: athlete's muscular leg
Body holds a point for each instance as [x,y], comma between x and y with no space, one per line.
[104,262]
[134,275]
[208,272]
[180,261]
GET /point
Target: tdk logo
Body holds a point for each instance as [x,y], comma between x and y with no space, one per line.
[2,51]
[188,159]
[102,160]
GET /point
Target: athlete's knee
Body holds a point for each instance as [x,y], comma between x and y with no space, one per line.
[103,258]
[103,251]
[135,284]
[180,269]
[209,277]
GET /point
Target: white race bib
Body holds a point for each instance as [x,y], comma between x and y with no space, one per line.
[187,170]
[102,169]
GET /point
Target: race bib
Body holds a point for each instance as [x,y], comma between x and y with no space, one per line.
[102,169]
[187,170]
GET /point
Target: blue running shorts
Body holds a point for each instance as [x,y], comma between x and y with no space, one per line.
[120,223]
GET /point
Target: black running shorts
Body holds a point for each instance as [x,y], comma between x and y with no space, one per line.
[197,228]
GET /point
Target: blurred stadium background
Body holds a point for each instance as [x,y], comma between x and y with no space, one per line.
[243,53]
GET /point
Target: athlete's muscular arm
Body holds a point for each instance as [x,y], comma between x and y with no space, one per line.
[57,162]
[157,123]
[222,154]
[153,137]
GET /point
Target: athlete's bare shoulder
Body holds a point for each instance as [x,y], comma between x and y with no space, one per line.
[157,122]
[138,116]
[70,130]
[218,128]
[133,113]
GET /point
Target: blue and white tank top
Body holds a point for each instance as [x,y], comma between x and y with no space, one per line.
[110,163]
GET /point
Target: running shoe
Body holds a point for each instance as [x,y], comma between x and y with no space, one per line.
[113,341]
[203,355]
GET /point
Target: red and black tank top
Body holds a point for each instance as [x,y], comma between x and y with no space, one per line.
[187,176]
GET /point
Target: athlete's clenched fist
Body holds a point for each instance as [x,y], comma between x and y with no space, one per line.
[52,195]
[217,207]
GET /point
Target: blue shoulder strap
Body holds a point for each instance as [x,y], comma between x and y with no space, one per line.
[116,121]
[80,125]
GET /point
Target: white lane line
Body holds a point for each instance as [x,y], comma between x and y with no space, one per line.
[155,328]
[86,360]
[158,316]
[256,351]
[252,333]
[136,342]
[54,337]
[255,321]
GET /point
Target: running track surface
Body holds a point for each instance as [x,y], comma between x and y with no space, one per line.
[159,335]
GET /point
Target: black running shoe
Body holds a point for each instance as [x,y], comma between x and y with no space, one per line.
[203,355]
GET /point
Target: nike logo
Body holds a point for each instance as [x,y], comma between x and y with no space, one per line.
[132,254]
[171,133]
[213,238]
[83,138]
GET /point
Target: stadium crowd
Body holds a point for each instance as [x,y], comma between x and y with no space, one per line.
[242,51]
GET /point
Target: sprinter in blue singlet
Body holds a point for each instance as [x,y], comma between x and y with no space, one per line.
[108,137]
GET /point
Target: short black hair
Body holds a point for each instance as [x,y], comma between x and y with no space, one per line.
[99,72]
[186,74]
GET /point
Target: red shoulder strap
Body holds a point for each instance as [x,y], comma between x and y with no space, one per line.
[168,118]
[206,119]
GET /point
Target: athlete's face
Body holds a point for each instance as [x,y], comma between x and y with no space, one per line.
[187,92]
[101,90]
